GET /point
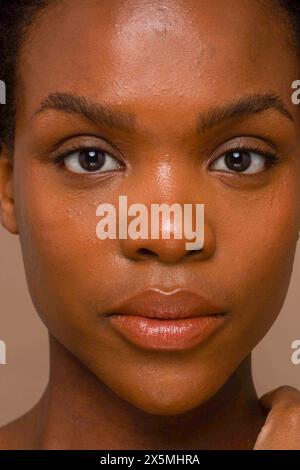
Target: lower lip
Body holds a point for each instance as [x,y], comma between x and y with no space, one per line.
[166,334]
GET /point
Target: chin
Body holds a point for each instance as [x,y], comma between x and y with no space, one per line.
[161,398]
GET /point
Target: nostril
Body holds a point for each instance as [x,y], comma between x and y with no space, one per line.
[192,253]
[145,252]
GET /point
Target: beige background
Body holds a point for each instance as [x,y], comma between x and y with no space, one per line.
[24,377]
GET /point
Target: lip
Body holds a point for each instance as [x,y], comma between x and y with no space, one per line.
[160,320]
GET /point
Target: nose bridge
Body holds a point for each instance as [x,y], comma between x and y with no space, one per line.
[166,179]
[166,219]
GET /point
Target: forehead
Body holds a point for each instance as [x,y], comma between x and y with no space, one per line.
[141,51]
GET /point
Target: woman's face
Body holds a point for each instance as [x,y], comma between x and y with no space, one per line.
[200,79]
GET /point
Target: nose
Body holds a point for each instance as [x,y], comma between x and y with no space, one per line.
[167,248]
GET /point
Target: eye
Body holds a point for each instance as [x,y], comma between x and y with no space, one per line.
[90,161]
[243,161]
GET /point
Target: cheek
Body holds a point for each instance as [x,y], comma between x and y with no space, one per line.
[258,248]
[68,268]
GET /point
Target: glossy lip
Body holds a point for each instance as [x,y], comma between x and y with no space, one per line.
[160,320]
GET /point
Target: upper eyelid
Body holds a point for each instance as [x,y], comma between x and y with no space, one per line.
[56,149]
[61,155]
[250,149]
[244,147]
[239,141]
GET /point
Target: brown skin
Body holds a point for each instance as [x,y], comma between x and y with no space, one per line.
[164,62]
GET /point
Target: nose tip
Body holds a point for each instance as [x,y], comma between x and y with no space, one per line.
[167,250]
[167,233]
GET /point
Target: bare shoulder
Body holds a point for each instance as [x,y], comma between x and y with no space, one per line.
[11,434]
[23,432]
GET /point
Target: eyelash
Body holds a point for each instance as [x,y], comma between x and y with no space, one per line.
[58,160]
[272,157]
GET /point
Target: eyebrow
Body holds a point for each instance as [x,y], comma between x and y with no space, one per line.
[242,108]
[95,112]
[105,114]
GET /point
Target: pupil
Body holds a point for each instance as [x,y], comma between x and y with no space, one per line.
[238,161]
[91,160]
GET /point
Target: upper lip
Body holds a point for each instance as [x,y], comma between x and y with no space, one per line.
[154,303]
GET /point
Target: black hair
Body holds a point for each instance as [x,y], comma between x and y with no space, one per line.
[15,19]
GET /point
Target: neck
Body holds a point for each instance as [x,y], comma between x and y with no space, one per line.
[78,411]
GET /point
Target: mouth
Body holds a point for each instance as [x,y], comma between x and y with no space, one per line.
[167,333]
[156,320]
